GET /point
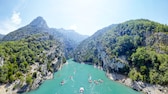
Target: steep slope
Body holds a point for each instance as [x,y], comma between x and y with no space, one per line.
[39,22]
[70,39]
[1,36]
[136,48]
[86,50]
[38,25]
[31,54]
[26,63]
[72,34]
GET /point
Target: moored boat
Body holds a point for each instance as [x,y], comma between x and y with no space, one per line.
[81,90]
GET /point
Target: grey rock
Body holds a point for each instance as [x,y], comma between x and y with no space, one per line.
[1,61]
[23,89]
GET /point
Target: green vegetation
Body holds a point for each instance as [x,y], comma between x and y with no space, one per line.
[19,55]
[149,66]
[29,80]
[30,54]
[123,45]
[143,43]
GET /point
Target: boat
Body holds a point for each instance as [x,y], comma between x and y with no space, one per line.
[81,90]
[100,80]
[71,77]
[90,81]
[62,82]
[96,82]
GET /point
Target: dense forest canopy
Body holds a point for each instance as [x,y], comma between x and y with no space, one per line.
[19,55]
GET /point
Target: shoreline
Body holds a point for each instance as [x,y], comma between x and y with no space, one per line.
[144,88]
[8,88]
[2,89]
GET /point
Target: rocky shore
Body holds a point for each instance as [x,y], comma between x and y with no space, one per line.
[42,74]
[115,64]
[138,85]
[145,88]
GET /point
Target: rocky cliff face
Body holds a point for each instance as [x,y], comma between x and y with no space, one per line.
[156,40]
[42,71]
[128,48]
[109,64]
[93,50]
[110,45]
[146,88]
[39,22]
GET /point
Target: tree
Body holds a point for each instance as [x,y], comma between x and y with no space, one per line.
[124,45]
[133,74]
[29,79]
[12,78]
[154,77]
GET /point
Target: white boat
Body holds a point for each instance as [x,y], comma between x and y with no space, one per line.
[81,90]
[90,79]
[100,80]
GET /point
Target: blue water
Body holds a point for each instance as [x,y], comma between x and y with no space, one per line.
[76,75]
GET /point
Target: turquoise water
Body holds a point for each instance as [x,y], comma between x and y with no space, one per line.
[76,75]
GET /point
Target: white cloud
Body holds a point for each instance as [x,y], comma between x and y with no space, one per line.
[73,27]
[16,18]
[10,24]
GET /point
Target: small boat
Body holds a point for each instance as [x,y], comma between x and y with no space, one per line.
[62,83]
[96,82]
[90,81]
[71,77]
[81,90]
[100,80]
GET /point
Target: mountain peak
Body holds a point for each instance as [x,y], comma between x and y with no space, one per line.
[39,22]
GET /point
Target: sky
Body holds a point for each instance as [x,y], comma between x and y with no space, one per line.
[83,16]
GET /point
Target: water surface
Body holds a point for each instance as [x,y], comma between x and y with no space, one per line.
[75,75]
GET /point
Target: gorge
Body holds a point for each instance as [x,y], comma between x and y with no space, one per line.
[134,52]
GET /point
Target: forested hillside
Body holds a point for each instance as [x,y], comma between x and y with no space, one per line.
[31,54]
[136,48]
[24,61]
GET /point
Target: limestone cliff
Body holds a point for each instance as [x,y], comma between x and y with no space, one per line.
[137,49]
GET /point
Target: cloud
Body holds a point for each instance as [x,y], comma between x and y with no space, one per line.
[10,24]
[73,27]
[16,18]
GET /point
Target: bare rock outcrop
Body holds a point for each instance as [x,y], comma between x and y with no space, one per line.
[138,85]
[1,61]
